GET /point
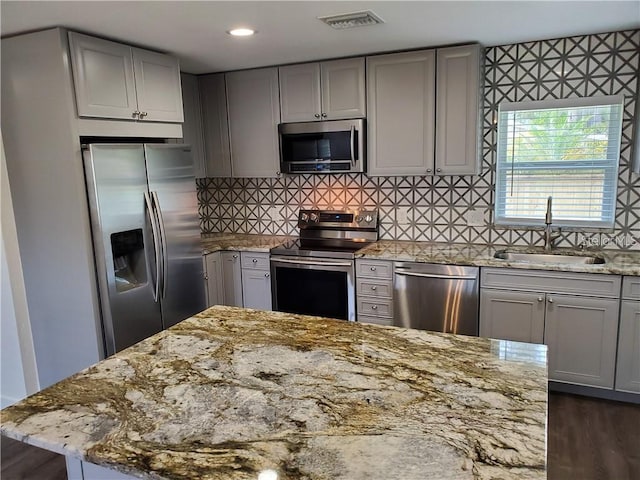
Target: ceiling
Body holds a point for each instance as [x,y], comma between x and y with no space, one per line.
[289,31]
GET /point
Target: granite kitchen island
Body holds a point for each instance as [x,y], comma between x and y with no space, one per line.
[231,393]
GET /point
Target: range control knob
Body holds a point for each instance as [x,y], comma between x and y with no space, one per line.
[304,217]
[314,217]
[368,219]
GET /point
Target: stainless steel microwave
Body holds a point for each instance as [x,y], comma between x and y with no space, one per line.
[332,146]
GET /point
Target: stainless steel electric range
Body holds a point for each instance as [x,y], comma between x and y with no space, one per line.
[315,274]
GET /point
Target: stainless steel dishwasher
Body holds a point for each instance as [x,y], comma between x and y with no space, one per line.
[441,298]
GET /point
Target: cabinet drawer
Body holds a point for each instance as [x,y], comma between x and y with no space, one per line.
[375,320]
[375,307]
[592,285]
[631,288]
[256,261]
[374,269]
[374,288]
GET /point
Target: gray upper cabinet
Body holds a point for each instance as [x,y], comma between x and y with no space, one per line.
[113,80]
[254,113]
[215,122]
[457,110]
[401,113]
[157,86]
[323,91]
[192,126]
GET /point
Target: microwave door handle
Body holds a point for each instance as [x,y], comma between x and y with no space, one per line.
[353,147]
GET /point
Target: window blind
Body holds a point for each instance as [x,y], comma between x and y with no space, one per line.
[566,149]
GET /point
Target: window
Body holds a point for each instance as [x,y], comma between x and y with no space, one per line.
[566,149]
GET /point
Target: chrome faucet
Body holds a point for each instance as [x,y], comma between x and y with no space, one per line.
[549,237]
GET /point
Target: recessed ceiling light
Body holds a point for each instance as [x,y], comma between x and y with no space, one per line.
[241,32]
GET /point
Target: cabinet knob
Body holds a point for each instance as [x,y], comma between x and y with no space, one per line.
[550,300]
[429,170]
[317,115]
[373,269]
[278,173]
[235,255]
[374,307]
[135,114]
[266,275]
[438,169]
[206,277]
[143,114]
[540,299]
[255,260]
[324,115]
[374,288]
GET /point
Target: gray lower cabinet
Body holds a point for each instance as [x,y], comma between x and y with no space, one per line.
[231,279]
[575,314]
[256,280]
[213,278]
[581,333]
[628,367]
[517,316]
[374,291]
[253,103]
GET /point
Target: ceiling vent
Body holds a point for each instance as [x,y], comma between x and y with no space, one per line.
[351,20]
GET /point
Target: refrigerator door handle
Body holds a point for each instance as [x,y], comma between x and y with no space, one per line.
[163,241]
[156,244]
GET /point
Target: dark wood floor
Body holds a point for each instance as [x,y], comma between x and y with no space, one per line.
[589,439]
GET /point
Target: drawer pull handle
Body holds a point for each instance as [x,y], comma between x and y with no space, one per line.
[235,256]
[255,260]
[266,275]
[373,269]
[374,307]
[374,288]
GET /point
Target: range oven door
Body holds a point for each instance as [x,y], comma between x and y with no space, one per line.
[314,286]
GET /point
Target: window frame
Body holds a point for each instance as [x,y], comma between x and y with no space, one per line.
[611,171]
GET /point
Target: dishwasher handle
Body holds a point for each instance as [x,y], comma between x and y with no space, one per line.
[431,275]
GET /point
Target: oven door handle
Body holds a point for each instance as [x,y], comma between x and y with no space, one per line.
[307,262]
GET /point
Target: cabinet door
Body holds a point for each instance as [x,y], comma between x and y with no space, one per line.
[628,372]
[213,277]
[231,279]
[401,111]
[300,92]
[343,87]
[254,114]
[215,125]
[581,334]
[256,289]
[457,110]
[517,316]
[192,126]
[157,86]
[103,77]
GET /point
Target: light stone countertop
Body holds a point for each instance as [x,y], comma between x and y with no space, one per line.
[232,392]
[616,262]
[214,242]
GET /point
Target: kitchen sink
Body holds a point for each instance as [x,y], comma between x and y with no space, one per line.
[548,258]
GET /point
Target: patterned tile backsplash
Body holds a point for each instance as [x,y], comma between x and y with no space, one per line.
[450,208]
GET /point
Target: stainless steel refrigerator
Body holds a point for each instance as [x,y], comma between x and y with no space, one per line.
[146,235]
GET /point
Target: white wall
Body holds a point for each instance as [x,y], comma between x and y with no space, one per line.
[18,373]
